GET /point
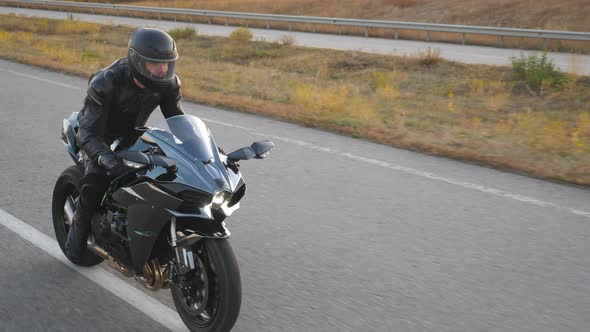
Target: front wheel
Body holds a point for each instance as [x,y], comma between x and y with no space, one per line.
[209,297]
[65,194]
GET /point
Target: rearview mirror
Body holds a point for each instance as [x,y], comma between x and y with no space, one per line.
[258,150]
[262,148]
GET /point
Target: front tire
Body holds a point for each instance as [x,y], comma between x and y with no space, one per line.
[67,190]
[222,289]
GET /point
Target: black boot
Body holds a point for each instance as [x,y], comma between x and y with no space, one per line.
[77,236]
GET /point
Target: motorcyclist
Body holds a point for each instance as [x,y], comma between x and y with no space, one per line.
[120,98]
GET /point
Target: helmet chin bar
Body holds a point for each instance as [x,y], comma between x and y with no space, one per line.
[137,63]
[151,83]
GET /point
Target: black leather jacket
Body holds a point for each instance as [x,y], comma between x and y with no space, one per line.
[114,105]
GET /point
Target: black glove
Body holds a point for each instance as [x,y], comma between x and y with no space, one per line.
[113,165]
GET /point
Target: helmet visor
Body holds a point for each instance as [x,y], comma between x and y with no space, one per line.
[157,70]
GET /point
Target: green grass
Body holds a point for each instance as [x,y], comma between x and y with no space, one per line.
[183,33]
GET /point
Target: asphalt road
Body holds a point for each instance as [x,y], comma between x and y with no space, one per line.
[334,233]
[579,64]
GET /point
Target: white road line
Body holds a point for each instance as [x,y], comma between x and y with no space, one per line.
[142,302]
[41,79]
[467,185]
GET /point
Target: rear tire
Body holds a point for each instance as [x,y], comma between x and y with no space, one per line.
[68,187]
[223,285]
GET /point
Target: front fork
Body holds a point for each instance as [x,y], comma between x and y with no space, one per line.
[183,248]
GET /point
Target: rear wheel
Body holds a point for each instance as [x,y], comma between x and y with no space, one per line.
[209,297]
[65,195]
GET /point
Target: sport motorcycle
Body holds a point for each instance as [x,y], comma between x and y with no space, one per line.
[163,221]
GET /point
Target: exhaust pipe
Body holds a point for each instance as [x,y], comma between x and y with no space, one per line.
[111,262]
[154,275]
[98,250]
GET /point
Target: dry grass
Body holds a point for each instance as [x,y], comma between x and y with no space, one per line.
[477,113]
[539,14]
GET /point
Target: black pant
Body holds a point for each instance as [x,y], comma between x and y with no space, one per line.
[94,185]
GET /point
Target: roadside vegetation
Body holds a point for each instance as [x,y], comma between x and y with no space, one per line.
[540,14]
[570,15]
[530,118]
[183,33]
[539,74]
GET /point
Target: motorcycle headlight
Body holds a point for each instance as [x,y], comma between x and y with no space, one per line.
[221,201]
[218,198]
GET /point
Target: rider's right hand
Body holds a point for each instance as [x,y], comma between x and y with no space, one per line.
[113,165]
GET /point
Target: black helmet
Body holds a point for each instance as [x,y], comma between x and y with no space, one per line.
[152,45]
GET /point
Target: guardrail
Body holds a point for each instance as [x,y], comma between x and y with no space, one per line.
[339,22]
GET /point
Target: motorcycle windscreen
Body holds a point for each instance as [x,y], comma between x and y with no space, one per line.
[190,135]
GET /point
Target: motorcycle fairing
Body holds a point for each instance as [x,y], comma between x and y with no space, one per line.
[68,136]
[147,215]
[198,223]
[207,176]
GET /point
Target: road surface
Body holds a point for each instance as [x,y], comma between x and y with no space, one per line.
[334,234]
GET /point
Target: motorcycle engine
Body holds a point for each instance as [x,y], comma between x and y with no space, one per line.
[109,225]
[101,227]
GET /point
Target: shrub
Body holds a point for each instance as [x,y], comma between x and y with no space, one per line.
[241,36]
[183,33]
[287,40]
[429,57]
[539,73]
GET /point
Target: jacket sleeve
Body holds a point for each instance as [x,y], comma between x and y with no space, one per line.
[93,118]
[170,104]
